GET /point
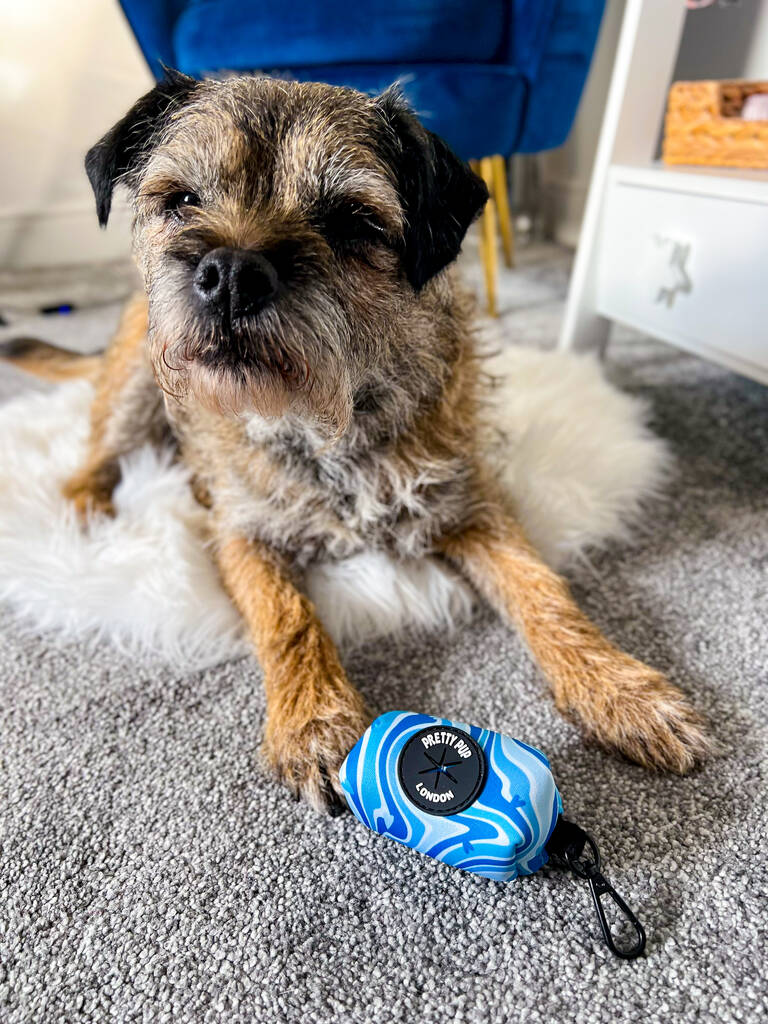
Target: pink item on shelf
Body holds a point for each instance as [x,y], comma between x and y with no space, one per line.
[755,107]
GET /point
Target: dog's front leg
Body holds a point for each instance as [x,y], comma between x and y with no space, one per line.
[621,702]
[314,714]
[127,411]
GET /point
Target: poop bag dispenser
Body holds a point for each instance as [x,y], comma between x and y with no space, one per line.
[475,799]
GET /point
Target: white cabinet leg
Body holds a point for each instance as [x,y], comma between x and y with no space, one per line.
[583,330]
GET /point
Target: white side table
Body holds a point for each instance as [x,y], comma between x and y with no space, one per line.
[680,254]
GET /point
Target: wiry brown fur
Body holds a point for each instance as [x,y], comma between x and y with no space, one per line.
[309,697]
[622,703]
[342,417]
[118,427]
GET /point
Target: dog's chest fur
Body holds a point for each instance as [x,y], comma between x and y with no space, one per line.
[313,501]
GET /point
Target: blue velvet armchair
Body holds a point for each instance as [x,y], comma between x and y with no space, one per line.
[492,77]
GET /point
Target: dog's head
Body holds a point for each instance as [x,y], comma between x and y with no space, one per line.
[283,230]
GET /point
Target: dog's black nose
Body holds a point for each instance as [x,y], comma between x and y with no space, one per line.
[235,282]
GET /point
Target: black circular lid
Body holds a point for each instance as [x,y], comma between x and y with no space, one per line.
[442,769]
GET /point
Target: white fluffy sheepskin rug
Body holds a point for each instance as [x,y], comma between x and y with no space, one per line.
[573,452]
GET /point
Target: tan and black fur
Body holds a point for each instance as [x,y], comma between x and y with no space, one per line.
[343,413]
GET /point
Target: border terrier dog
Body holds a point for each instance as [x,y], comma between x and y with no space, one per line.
[304,341]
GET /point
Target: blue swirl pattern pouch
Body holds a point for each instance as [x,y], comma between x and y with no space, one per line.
[472,798]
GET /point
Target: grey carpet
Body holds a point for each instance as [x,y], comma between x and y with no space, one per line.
[150,870]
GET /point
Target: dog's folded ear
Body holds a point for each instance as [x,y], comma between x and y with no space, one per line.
[121,149]
[441,195]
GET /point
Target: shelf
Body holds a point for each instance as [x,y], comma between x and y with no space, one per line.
[735,184]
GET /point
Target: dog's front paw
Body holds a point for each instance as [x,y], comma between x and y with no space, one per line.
[644,717]
[307,756]
[89,495]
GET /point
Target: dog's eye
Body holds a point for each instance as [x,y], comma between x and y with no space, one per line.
[180,201]
[352,223]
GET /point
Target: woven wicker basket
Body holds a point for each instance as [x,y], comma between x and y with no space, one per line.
[703,126]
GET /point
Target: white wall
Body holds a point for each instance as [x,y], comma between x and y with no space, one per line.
[565,172]
[757,54]
[725,42]
[68,70]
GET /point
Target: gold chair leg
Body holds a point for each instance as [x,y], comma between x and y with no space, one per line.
[488,235]
[501,198]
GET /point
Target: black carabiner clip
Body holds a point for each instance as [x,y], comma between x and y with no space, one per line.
[599,886]
[567,844]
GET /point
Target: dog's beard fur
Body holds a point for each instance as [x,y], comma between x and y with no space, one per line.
[288,358]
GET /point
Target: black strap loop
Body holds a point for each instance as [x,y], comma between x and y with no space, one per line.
[577,850]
